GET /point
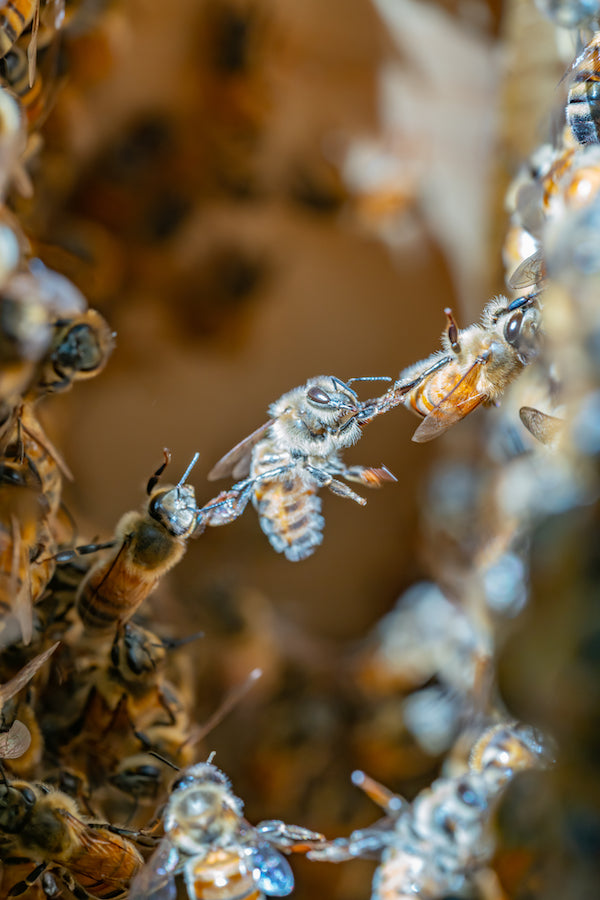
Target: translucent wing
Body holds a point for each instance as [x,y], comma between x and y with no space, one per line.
[35,431]
[156,880]
[33,41]
[271,870]
[544,428]
[15,742]
[532,271]
[19,681]
[237,461]
[462,399]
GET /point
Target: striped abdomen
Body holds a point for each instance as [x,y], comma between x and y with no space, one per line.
[290,515]
[107,865]
[15,16]
[115,588]
[429,392]
[583,103]
[223,875]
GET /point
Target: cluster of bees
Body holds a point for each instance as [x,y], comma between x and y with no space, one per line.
[95,712]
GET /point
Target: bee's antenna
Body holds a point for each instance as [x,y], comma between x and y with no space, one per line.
[211,756]
[370,378]
[183,478]
[154,478]
[164,760]
[231,699]
[174,643]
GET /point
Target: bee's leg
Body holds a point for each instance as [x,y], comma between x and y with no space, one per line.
[366,475]
[228,505]
[66,555]
[325,479]
[21,886]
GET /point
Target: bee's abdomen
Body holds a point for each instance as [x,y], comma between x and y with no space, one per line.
[583,104]
[290,515]
[110,594]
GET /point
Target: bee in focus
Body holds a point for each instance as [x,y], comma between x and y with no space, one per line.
[475,366]
[46,827]
[146,545]
[433,846]
[220,855]
[287,461]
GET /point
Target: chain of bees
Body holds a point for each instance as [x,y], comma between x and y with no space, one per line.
[91,723]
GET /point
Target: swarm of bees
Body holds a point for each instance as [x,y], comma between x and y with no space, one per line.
[96,711]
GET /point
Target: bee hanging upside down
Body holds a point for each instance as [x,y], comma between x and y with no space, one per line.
[289,458]
[475,366]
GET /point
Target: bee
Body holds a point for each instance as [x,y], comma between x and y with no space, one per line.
[15,736]
[220,854]
[81,341]
[583,108]
[26,546]
[434,845]
[288,459]
[475,366]
[15,17]
[45,826]
[569,13]
[129,704]
[146,545]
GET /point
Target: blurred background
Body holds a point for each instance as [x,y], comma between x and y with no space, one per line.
[254,192]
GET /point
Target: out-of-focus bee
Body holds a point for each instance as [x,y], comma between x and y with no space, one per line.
[129,705]
[475,366]
[583,106]
[26,546]
[15,736]
[569,13]
[288,459]
[81,340]
[146,545]
[46,827]
[219,853]
[433,846]
[15,16]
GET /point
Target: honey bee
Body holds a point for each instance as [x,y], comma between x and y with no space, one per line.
[583,112]
[26,546]
[129,704]
[569,13]
[146,545]
[433,846]
[475,366]
[15,736]
[81,341]
[220,854]
[33,96]
[46,827]
[288,459]
[15,17]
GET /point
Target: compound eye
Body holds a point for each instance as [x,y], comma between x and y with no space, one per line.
[318,396]
[513,327]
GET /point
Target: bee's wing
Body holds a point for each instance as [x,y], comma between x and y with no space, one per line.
[12,687]
[271,871]
[237,461]
[531,271]
[15,742]
[544,428]
[35,431]
[156,879]
[462,399]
